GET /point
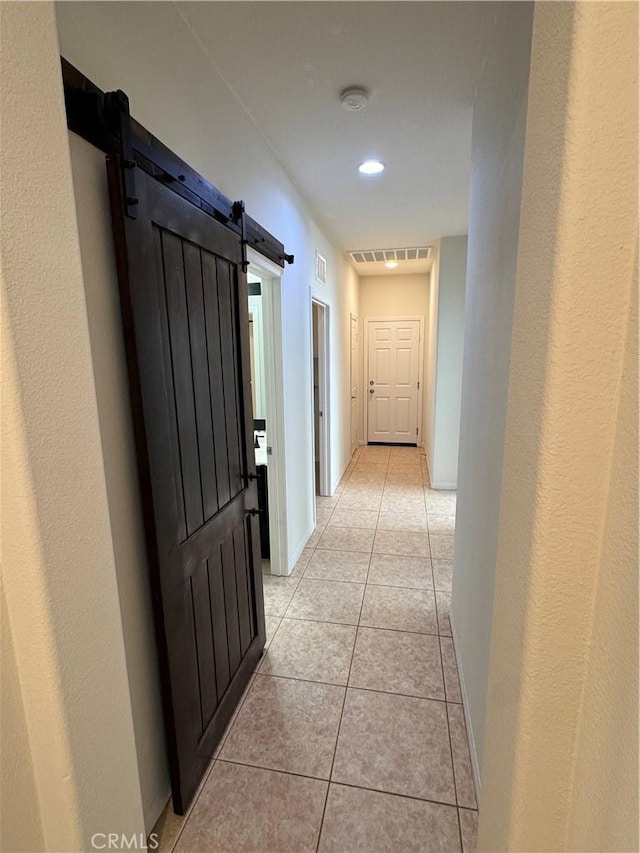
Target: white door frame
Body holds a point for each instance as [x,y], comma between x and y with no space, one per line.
[270,275]
[365,361]
[324,443]
[352,318]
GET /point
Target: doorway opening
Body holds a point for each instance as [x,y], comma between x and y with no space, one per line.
[265,344]
[320,374]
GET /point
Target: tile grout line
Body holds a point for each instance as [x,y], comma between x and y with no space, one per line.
[357,687]
[453,767]
[335,747]
[345,784]
[205,779]
[341,491]
[455,787]
[358,462]
[216,758]
[344,701]
[364,625]
[432,588]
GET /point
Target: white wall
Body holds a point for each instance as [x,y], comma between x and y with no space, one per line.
[604,811]
[394,295]
[121,473]
[255,309]
[391,296]
[448,331]
[431,358]
[21,826]
[496,179]
[560,768]
[341,294]
[211,132]
[73,745]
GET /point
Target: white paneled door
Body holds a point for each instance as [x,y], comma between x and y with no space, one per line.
[393,365]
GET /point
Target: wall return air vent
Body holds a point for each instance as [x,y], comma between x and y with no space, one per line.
[321,268]
[376,256]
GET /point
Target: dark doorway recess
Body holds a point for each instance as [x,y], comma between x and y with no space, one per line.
[181,257]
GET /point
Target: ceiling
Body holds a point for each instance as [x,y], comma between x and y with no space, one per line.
[287,62]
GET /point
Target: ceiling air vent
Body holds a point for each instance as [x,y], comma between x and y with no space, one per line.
[377,256]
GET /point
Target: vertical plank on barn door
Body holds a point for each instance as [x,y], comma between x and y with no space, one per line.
[184,302]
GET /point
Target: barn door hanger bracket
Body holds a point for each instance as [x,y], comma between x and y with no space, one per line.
[117,104]
[240,217]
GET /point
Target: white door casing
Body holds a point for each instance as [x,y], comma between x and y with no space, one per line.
[320,430]
[354,381]
[281,560]
[393,376]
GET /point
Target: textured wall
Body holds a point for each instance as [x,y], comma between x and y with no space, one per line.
[121,473]
[448,380]
[604,811]
[21,826]
[496,180]
[431,350]
[58,564]
[560,761]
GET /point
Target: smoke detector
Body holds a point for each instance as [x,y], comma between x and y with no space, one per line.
[354,98]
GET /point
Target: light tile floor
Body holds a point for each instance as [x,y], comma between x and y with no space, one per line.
[351,735]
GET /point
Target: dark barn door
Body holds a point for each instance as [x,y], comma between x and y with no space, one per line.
[184,302]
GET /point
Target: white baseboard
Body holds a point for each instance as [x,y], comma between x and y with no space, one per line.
[153,813]
[441,485]
[465,705]
[297,551]
[335,485]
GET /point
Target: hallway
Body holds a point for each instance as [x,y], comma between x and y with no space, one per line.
[366,608]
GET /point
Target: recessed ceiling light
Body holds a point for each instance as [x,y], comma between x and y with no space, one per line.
[391,265]
[371,167]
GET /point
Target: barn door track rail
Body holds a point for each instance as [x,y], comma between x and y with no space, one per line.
[104,120]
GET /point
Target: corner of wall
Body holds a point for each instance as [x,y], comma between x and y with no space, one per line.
[58,561]
[473,749]
[431,359]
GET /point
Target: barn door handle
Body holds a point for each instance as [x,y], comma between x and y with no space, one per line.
[255,511]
